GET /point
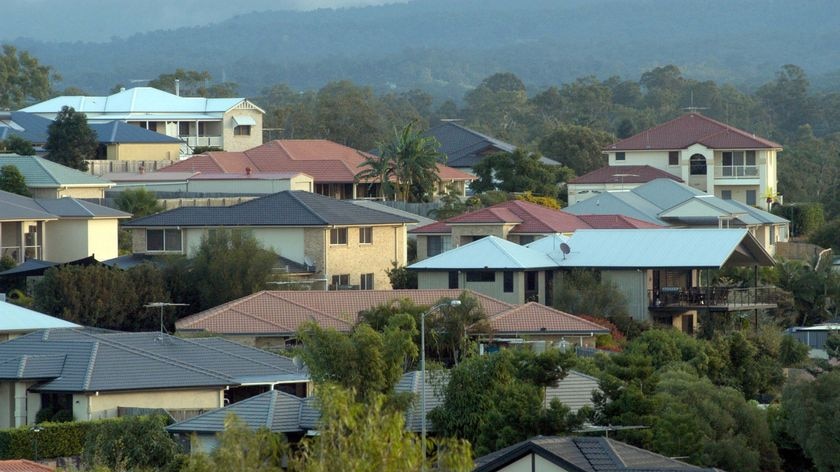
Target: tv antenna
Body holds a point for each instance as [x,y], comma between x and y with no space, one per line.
[691,108]
[161,305]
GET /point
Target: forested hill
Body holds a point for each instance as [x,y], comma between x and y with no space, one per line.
[448,46]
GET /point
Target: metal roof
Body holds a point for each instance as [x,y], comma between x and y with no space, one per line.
[14,318]
[43,173]
[489,253]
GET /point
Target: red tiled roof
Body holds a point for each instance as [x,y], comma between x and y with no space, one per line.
[534,317]
[531,218]
[23,465]
[282,312]
[325,161]
[625,174]
[693,128]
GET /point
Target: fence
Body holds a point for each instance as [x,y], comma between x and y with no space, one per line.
[101,167]
[422,209]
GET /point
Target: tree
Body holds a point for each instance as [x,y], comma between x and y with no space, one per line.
[366,361]
[136,442]
[495,401]
[828,236]
[577,147]
[240,448]
[139,202]
[810,418]
[377,169]
[346,113]
[415,159]
[401,277]
[22,79]
[192,83]
[229,264]
[449,330]
[519,171]
[17,145]
[70,141]
[11,180]
[497,106]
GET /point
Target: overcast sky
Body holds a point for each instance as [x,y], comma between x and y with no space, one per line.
[99,20]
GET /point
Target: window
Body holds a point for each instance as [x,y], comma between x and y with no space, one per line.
[437,244]
[338,236]
[750,197]
[698,165]
[481,276]
[453,279]
[619,156]
[366,235]
[726,194]
[340,281]
[772,234]
[673,158]
[367,281]
[242,130]
[526,239]
[508,281]
[163,240]
[738,164]
[184,128]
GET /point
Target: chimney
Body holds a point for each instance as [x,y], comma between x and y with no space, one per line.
[248,171]
[178,87]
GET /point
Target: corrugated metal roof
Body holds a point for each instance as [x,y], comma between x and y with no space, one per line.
[487,253]
[15,318]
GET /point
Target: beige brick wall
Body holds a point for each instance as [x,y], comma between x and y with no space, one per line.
[314,240]
[498,230]
[353,258]
[234,143]
[144,151]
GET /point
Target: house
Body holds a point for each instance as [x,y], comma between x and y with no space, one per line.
[56,229]
[464,147]
[95,373]
[670,203]
[516,220]
[16,321]
[48,179]
[232,124]
[117,139]
[272,318]
[23,465]
[332,166]
[578,454]
[191,183]
[344,246]
[375,205]
[663,273]
[611,178]
[814,337]
[710,156]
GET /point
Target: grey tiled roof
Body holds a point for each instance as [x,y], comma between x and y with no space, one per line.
[288,208]
[68,207]
[275,410]
[101,361]
[465,147]
[34,128]
[16,207]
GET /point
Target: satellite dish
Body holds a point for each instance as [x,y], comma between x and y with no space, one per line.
[565,249]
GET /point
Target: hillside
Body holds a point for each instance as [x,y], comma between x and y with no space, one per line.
[446,47]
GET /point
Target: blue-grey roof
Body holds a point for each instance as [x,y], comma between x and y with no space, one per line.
[68,207]
[14,207]
[42,173]
[489,253]
[102,361]
[35,129]
[275,410]
[32,128]
[14,318]
[374,205]
[288,208]
[465,147]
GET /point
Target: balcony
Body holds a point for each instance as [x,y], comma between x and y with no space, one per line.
[202,141]
[712,298]
[736,172]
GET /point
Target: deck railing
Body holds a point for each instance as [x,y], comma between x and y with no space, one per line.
[732,297]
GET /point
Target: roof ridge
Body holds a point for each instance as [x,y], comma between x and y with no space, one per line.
[272,402]
[236,355]
[94,351]
[22,365]
[39,161]
[305,307]
[210,312]
[294,194]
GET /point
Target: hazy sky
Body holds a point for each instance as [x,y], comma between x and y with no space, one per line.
[99,20]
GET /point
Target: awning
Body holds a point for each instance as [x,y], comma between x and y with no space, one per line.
[244,121]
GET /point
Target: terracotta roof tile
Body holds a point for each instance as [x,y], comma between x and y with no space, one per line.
[615,222]
[23,465]
[629,175]
[693,128]
[282,312]
[537,318]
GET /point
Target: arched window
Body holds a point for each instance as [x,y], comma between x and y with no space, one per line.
[698,164]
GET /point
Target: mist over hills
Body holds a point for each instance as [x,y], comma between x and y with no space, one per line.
[447,47]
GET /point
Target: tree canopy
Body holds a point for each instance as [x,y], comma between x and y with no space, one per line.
[17,145]
[23,79]
[11,180]
[70,141]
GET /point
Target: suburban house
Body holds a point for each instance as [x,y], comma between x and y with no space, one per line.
[23,465]
[611,178]
[332,166]
[16,321]
[710,156]
[342,246]
[516,220]
[117,139]
[579,454]
[186,183]
[232,124]
[94,373]
[664,274]
[669,203]
[48,179]
[272,318]
[56,229]
[464,148]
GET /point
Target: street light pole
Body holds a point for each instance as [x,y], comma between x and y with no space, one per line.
[452,303]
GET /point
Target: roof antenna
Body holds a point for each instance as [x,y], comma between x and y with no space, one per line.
[692,108]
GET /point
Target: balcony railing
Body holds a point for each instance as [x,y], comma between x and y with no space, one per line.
[736,172]
[730,298]
[202,141]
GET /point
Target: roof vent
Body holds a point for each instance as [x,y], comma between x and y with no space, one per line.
[247,171]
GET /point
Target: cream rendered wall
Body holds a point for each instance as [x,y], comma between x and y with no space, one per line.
[76,192]
[103,238]
[68,240]
[658,159]
[302,182]
[239,186]
[144,151]
[532,463]
[354,258]
[242,143]
[105,404]
[286,242]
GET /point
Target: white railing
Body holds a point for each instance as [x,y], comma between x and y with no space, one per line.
[202,141]
[736,172]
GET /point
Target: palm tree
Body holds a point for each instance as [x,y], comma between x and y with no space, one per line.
[377,169]
[415,159]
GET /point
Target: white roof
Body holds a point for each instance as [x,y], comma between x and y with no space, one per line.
[487,253]
[15,318]
[663,248]
[139,103]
